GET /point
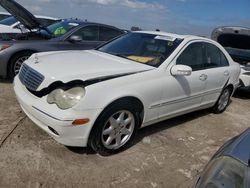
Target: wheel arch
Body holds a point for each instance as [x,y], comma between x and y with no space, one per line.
[135,100]
[231,87]
[17,53]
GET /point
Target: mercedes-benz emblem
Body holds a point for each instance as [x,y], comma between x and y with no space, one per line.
[36,59]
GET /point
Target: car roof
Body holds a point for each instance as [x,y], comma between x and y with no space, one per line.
[83,22]
[46,17]
[238,148]
[172,35]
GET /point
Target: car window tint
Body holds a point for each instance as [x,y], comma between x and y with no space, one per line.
[3,16]
[88,33]
[107,33]
[192,56]
[46,22]
[214,57]
[143,48]
[224,172]
[224,61]
[62,27]
[8,21]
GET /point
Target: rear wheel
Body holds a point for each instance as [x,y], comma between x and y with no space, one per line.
[114,129]
[16,63]
[223,101]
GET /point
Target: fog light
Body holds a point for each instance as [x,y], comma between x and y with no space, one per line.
[80,121]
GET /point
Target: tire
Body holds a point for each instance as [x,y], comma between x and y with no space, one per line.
[16,62]
[114,129]
[223,101]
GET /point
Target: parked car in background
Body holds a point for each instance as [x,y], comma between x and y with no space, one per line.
[236,41]
[4,15]
[102,97]
[22,24]
[230,166]
[10,27]
[68,34]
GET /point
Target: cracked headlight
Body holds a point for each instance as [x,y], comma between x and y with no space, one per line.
[66,99]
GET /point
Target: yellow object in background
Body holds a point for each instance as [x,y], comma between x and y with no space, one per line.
[60,31]
[141,59]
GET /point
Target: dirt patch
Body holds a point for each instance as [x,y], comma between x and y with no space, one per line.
[168,154]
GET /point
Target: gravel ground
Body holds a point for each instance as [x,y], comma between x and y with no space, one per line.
[168,154]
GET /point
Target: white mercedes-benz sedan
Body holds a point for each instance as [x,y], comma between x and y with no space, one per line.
[100,98]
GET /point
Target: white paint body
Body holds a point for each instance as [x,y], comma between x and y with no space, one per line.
[245,76]
[163,95]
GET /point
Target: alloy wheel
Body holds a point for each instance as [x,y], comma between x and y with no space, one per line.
[224,99]
[118,130]
[18,64]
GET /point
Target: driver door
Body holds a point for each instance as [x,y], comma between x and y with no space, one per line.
[89,36]
[182,94]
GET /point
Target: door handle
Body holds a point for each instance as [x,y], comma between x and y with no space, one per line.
[226,73]
[203,77]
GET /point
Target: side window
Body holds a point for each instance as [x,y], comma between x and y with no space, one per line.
[224,61]
[192,56]
[88,33]
[214,57]
[107,33]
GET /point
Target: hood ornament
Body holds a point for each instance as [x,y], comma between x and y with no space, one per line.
[36,59]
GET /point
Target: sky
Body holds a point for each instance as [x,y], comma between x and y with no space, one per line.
[197,17]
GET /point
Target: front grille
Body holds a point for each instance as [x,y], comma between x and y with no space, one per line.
[30,78]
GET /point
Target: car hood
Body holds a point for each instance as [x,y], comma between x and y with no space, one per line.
[21,14]
[66,66]
[236,40]
[237,147]
[234,37]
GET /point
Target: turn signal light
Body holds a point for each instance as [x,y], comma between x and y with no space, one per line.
[80,121]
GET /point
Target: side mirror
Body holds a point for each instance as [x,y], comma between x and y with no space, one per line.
[75,38]
[181,70]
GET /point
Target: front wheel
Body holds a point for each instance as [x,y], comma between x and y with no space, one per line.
[114,129]
[223,101]
[16,63]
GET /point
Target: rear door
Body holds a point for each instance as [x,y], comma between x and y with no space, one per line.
[217,72]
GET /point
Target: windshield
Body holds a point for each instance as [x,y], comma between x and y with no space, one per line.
[8,21]
[224,172]
[60,28]
[143,48]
